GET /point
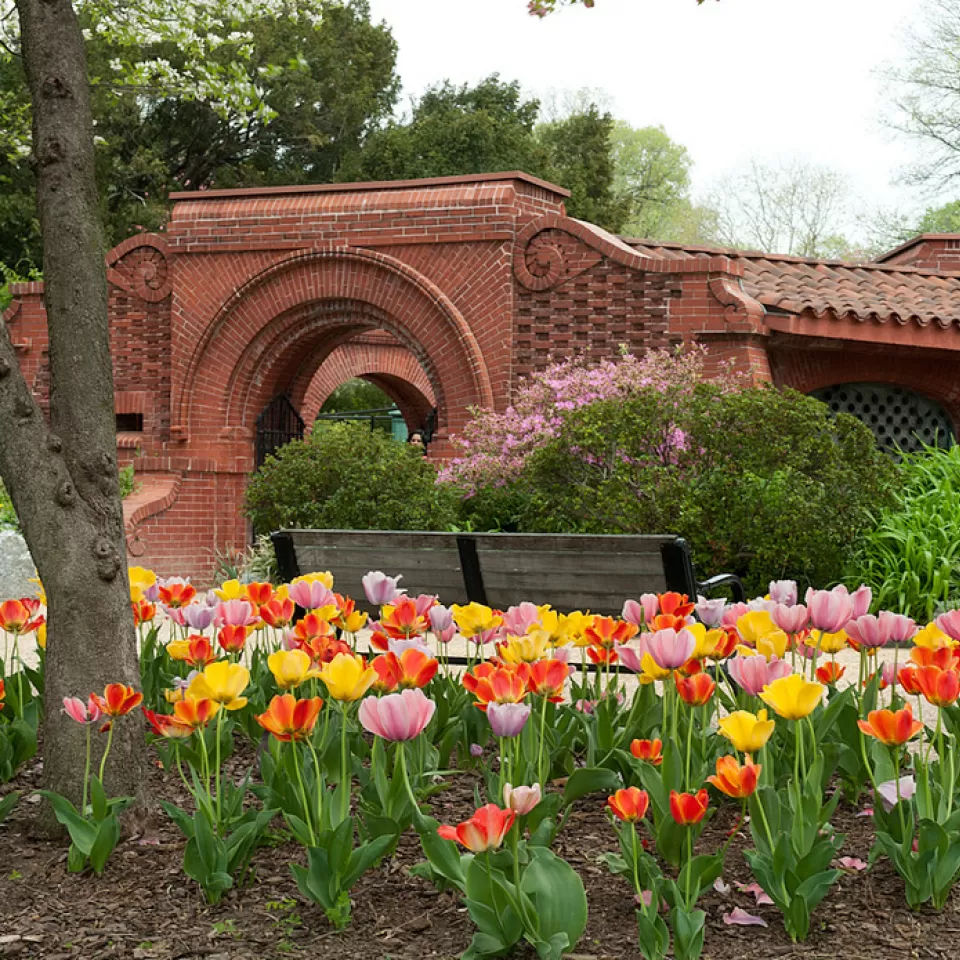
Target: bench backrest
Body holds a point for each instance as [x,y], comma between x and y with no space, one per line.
[568,571]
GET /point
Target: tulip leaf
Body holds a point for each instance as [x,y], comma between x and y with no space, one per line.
[82,833]
[443,855]
[653,935]
[98,800]
[364,857]
[558,894]
[589,780]
[687,933]
[7,804]
[108,835]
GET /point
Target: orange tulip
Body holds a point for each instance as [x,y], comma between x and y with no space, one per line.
[16,616]
[907,678]
[629,805]
[176,594]
[667,621]
[940,687]
[288,718]
[946,658]
[650,751]
[311,626]
[322,649]
[689,808]
[200,651]
[195,713]
[602,654]
[485,830]
[401,621]
[388,674]
[278,613]
[232,639]
[675,604]
[143,612]
[605,632]
[727,644]
[548,678]
[891,728]
[165,725]
[414,668]
[2,691]
[735,780]
[258,594]
[379,641]
[695,690]
[830,672]
[498,684]
[117,700]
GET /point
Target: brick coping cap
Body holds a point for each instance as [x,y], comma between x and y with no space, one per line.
[914,241]
[506,176]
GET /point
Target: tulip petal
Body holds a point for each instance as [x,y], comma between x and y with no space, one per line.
[740,918]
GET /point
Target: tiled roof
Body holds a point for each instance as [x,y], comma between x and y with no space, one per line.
[868,291]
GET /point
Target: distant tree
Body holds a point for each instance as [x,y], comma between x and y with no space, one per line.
[796,208]
[943,219]
[540,8]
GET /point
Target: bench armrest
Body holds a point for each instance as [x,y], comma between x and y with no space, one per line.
[730,580]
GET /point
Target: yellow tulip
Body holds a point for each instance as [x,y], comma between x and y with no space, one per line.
[229,590]
[651,671]
[475,618]
[325,577]
[549,627]
[42,636]
[755,624]
[355,622]
[526,649]
[347,677]
[792,697]
[141,577]
[830,642]
[282,592]
[746,731]
[707,640]
[933,638]
[41,593]
[178,649]
[173,696]
[222,682]
[572,627]
[290,668]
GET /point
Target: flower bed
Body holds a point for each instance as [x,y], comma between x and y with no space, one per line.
[572,807]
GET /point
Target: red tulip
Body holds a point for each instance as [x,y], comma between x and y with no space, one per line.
[940,687]
[278,613]
[232,639]
[548,678]
[401,619]
[650,751]
[176,594]
[258,594]
[676,604]
[733,779]
[689,808]
[830,672]
[16,616]
[117,700]
[629,805]
[491,683]
[288,718]
[311,626]
[695,690]
[200,651]
[891,728]
[485,830]
[143,612]
[414,668]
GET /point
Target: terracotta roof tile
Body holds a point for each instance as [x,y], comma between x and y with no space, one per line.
[876,291]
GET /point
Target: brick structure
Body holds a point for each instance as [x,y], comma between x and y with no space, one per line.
[444,293]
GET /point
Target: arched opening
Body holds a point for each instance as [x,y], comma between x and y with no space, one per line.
[900,418]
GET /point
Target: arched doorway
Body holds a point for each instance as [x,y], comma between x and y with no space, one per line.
[900,418]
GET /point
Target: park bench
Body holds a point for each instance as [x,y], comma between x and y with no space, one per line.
[568,571]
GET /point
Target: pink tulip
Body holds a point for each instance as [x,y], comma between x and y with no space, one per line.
[311,594]
[175,614]
[630,657]
[710,612]
[411,643]
[399,716]
[198,616]
[380,588]
[651,605]
[888,791]
[441,619]
[870,631]
[518,620]
[862,598]
[901,628]
[507,719]
[425,603]
[790,619]
[584,706]
[521,800]
[752,674]
[830,610]
[82,712]
[235,613]
[949,623]
[632,612]
[783,591]
[733,613]
[670,649]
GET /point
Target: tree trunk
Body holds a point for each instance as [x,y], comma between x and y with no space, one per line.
[62,476]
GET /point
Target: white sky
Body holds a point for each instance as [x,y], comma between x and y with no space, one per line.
[731,80]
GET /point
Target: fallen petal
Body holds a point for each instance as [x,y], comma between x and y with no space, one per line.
[740,918]
[720,886]
[760,895]
[866,812]
[852,863]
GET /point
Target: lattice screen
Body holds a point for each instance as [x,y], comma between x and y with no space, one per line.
[897,417]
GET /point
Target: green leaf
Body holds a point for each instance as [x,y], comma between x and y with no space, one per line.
[98,799]
[558,895]
[7,804]
[108,835]
[589,780]
[82,833]
[363,858]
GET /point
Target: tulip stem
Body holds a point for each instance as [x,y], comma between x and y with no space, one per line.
[303,794]
[219,804]
[16,661]
[543,728]
[896,780]
[344,760]
[687,865]
[402,762]
[318,781]
[636,877]
[689,749]
[86,777]
[106,751]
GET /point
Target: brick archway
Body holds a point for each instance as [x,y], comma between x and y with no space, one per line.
[276,330]
[383,361]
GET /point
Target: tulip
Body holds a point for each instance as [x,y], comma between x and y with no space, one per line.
[16,616]
[318,576]
[165,725]
[688,808]
[949,623]
[710,612]
[757,625]
[892,791]
[199,651]
[946,658]
[892,728]
[907,678]
[932,637]
[870,631]
[143,612]
[733,613]
[492,684]
[629,805]
[141,580]
[605,632]
[830,673]
[792,697]
[310,594]
[631,657]
[790,619]
[221,682]
[670,649]
[548,678]
[414,667]
[862,598]
[195,714]
[401,620]
[278,613]
[507,719]
[900,627]
[176,592]
[747,732]
[258,594]
[650,603]
[632,612]
[521,800]
[76,709]
[232,639]
[752,674]
[229,590]
[475,619]
[441,623]
[485,830]
[3,693]
[380,588]
[198,616]
[476,751]
[783,592]
[696,690]
[290,719]
[650,751]
[347,677]
[675,604]
[290,668]
[117,700]
[830,610]
[734,780]
[524,649]
[235,613]
[518,620]
[939,687]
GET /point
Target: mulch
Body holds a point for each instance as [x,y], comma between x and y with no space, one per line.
[145,908]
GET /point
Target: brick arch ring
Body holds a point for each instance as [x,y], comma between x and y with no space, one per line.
[421,315]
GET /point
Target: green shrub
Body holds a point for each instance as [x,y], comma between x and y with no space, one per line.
[347,476]
[763,482]
[8,517]
[911,556]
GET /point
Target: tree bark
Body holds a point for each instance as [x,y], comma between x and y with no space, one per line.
[62,476]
